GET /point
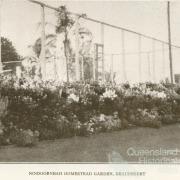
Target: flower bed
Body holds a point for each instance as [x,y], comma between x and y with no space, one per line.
[49,109]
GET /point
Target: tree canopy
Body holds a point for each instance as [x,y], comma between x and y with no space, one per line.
[8,53]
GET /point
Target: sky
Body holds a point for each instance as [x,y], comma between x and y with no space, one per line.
[20,20]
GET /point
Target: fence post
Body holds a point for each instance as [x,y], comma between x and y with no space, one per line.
[163,59]
[112,67]
[102,42]
[43,37]
[153,60]
[82,68]
[139,51]
[123,57]
[149,66]
[169,39]
[94,64]
[1,65]
[77,65]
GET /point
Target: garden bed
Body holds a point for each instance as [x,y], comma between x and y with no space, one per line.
[46,110]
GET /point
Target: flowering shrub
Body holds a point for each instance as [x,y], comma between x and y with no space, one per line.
[72,97]
[143,117]
[109,94]
[27,138]
[56,109]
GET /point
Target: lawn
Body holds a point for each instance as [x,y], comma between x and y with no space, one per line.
[104,147]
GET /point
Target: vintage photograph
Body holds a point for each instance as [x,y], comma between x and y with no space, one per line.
[89,81]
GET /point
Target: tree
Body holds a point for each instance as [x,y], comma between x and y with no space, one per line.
[9,53]
[64,23]
[65,28]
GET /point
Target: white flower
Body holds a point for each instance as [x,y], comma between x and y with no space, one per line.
[156,94]
[16,85]
[25,85]
[161,95]
[73,97]
[111,94]
[102,118]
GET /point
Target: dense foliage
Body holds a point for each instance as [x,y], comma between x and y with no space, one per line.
[9,53]
[50,109]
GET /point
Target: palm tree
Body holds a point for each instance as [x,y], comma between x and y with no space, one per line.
[33,58]
[49,44]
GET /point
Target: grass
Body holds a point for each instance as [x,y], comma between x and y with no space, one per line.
[104,147]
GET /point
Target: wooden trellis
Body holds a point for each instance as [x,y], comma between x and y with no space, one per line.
[98,64]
